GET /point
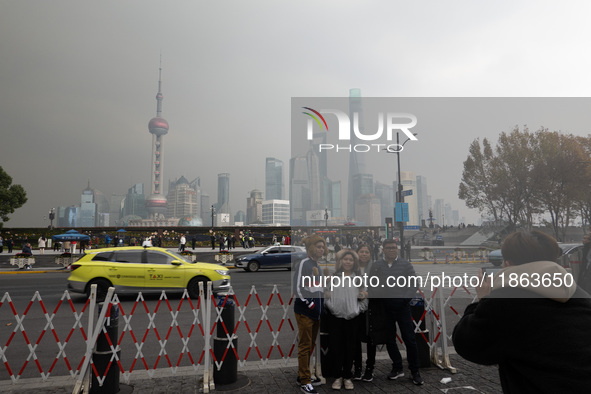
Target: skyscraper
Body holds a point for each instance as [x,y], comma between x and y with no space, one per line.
[135,202]
[87,208]
[158,127]
[299,190]
[356,160]
[386,195]
[223,205]
[273,179]
[253,207]
[183,200]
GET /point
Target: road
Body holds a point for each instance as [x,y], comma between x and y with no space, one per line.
[151,326]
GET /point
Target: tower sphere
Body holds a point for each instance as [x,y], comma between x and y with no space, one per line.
[158,126]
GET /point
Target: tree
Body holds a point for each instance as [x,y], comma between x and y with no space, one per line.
[560,171]
[529,174]
[513,181]
[477,187]
[584,204]
[11,196]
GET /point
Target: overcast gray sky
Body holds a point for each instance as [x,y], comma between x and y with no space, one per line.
[78,82]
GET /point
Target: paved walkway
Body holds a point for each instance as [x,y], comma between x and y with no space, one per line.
[254,378]
[470,378]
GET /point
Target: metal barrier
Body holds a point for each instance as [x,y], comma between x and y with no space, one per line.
[139,332]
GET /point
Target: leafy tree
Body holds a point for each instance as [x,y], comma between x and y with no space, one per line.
[476,187]
[529,174]
[513,181]
[11,196]
[584,203]
[560,171]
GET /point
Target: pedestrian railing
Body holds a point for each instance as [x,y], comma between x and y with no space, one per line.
[195,333]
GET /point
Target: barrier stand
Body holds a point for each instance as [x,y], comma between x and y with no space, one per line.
[208,383]
[106,350]
[227,369]
[91,342]
[445,363]
[86,382]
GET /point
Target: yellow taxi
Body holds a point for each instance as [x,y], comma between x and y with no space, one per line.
[147,269]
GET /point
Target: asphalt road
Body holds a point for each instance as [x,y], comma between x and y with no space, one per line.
[154,329]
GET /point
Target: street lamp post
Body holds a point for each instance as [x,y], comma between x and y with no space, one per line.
[51,217]
[212,213]
[399,196]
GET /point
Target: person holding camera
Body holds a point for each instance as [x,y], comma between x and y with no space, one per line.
[531,320]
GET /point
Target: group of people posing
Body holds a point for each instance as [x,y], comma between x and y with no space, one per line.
[536,331]
[353,314]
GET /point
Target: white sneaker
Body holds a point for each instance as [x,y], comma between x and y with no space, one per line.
[308,388]
[338,384]
[348,384]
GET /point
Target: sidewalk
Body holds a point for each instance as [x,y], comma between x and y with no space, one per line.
[254,378]
[44,263]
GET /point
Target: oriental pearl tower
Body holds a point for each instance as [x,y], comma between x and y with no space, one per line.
[158,127]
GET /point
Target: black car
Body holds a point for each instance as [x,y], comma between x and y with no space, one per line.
[278,256]
[570,258]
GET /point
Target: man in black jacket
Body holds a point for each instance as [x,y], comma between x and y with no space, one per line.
[534,323]
[308,302]
[389,304]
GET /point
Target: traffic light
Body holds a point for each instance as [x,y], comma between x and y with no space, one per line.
[389,230]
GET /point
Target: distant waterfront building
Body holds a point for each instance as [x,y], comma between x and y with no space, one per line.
[116,205]
[299,190]
[182,200]
[422,200]
[439,212]
[223,205]
[273,179]
[356,160]
[360,184]
[409,183]
[386,195]
[206,209]
[331,191]
[68,216]
[368,210]
[134,203]
[240,217]
[158,127]
[87,208]
[275,212]
[254,209]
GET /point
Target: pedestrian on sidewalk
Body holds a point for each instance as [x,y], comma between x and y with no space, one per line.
[365,264]
[345,302]
[27,249]
[308,304]
[392,306]
[536,332]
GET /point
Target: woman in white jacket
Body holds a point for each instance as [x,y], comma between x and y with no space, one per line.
[347,298]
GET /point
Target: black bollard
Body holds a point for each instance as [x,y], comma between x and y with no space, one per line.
[102,355]
[228,373]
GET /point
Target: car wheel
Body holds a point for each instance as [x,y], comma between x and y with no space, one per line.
[193,287]
[102,287]
[253,266]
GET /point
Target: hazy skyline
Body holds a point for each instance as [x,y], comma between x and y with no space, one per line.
[79,83]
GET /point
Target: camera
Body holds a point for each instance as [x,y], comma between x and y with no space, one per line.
[489,271]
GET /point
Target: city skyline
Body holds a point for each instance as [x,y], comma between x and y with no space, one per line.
[76,96]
